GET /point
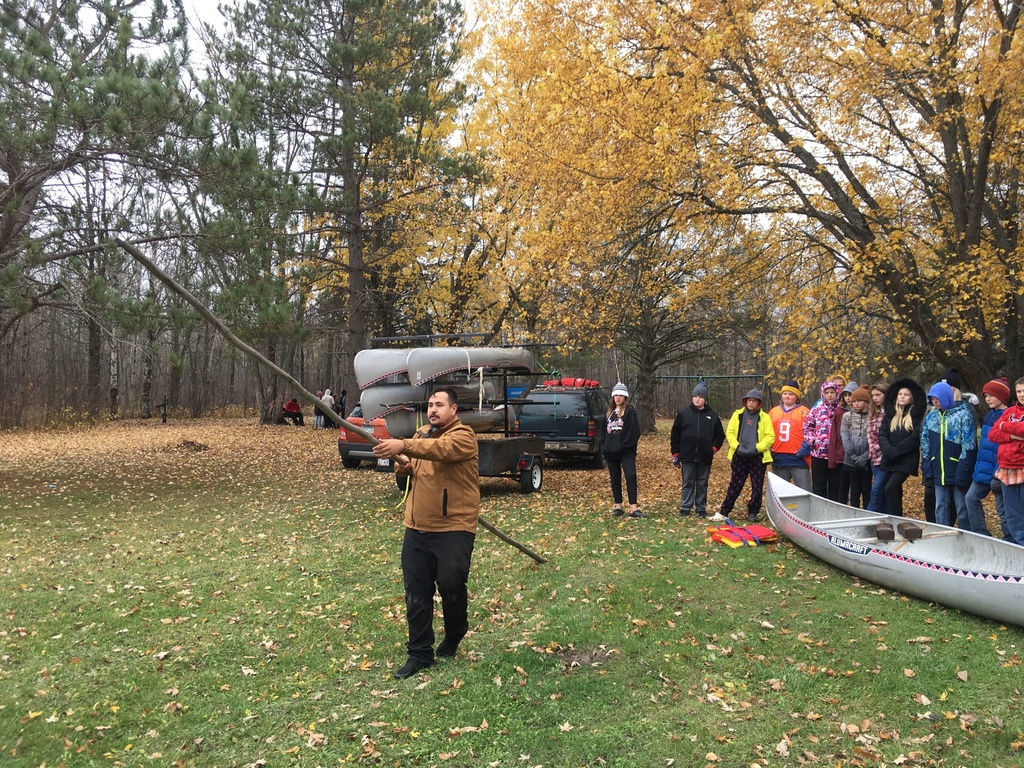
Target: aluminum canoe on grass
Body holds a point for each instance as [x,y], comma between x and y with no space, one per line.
[428,363]
[959,569]
[376,365]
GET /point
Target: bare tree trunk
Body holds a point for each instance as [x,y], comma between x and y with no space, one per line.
[115,378]
[147,375]
[93,374]
[177,366]
[1014,353]
[645,400]
[356,337]
[270,405]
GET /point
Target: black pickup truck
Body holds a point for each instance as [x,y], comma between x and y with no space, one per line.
[569,417]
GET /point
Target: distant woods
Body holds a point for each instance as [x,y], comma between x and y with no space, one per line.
[652,189]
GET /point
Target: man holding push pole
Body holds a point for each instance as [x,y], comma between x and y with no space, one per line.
[441,514]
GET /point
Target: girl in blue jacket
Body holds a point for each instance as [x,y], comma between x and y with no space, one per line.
[997,397]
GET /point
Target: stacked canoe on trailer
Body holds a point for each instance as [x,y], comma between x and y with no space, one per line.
[396,383]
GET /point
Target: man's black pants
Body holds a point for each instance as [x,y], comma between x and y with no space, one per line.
[442,559]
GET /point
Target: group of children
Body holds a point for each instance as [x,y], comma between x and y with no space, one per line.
[858,445]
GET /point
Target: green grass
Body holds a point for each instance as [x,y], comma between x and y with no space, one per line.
[242,606]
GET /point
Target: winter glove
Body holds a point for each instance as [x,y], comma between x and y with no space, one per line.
[675,460]
[804,451]
[863,463]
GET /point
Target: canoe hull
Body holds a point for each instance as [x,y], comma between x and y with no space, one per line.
[404,423]
[958,569]
[428,363]
[382,399]
[375,365]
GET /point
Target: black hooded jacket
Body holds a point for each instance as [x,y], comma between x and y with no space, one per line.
[901,448]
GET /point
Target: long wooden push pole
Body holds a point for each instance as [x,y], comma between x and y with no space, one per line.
[309,397]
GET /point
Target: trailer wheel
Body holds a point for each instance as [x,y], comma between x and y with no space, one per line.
[532,478]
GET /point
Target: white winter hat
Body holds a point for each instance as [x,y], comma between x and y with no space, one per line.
[620,389]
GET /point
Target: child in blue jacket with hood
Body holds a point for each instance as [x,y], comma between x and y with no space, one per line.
[949,447]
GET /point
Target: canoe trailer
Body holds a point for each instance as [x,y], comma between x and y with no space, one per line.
[419,371]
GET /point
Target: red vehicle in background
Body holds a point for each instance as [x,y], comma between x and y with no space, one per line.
[354,449]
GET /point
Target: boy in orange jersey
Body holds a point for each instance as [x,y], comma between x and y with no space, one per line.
[789,456]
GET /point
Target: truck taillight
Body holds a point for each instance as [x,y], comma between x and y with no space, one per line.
[515,427]
[591,429]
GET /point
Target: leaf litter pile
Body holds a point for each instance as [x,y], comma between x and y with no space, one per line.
[219,593]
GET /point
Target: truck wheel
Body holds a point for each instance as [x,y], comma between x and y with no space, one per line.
[531,479]
[597,461]
[349,463]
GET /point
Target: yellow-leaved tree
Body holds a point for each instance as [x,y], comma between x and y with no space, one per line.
[872,150]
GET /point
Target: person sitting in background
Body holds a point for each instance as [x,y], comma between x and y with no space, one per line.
[293,412]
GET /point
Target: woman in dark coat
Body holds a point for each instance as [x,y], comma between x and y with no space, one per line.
[622,431]
[899,437]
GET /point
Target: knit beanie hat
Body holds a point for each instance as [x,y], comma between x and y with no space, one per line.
[794,388]
[701,390]
[754,394]
[863,394]
[952,377]
[620,389]
[999,389]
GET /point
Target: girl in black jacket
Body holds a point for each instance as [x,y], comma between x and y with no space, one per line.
[899,437]
[621,434]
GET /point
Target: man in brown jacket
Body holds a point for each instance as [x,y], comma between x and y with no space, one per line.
[441,515]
